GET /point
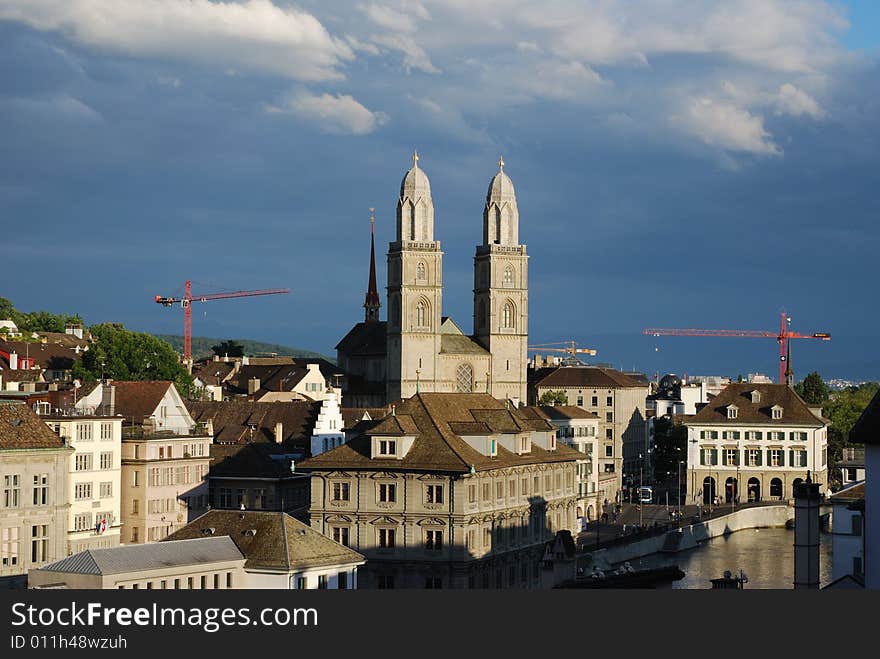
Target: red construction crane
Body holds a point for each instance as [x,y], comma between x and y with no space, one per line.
[188,298]
[782,336]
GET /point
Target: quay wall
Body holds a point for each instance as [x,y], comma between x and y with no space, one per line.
[759,517]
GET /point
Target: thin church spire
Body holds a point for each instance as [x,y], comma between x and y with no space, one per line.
[371,301]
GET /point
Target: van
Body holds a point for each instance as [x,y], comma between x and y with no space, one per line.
[646,494]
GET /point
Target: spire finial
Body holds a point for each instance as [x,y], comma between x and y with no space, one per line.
[501,164]
[415,158]
[372,221]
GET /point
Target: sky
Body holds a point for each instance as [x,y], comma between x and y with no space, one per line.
[676,163]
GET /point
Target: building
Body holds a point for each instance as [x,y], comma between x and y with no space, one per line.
[448,491]
[33,494]
[867,431]
[619,402]
[165,458]
[754,442]
[676,397]
[418,349]
[851,465]
[280,552]
[201,564]
[53,360]
[847,532]
[266,379]
[579,429]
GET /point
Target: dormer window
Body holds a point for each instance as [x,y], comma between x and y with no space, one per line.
[524,445]
[755,396]
[387,447]
[731,411]
[493,447]
[776,412]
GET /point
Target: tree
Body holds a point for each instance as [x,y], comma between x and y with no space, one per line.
[670,446]
[843,409]
[228,349]
[812,389]
[122,354]
[553,398]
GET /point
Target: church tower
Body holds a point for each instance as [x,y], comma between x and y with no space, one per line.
[371,301]
[415,281]
[501,311]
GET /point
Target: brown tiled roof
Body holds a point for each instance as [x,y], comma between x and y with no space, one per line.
[458,344]
[137,400]
[365,339]
[211,372]
[46,355]
[233,419]
[867,429]
[853,493]
[437,447]
[794,409]
[21,374]
[67,340]
[270,540]
[256,460]
[353,415]
[21,428]
[583,376]
[558,412]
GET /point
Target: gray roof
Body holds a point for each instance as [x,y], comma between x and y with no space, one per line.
[153,556]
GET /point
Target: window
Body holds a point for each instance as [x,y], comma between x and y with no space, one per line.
[709,456]
[776,458]
[190,583]
[511,487]
[229,579]
[387,492]
[595,401]
[580,400]
[83,462]
[548,483]
[609,417]
[609,451]
[609,433]
[536,485]
[850,474]
[731,412]
[106,431]
[524,487]
[464,379]
[82,522]
[487,538]
[731,456]
[84,432]
[433,540]
[420,271]
[342,580]
[387,447]
[421,314]
[134,506]
[508,316]
[386,538]
[493,446]
[753,457]
[777,435]
[82,491]
[107,460]
[224,496]
[499,490]
[472,493]
[340,535]
[508,276]
[322,582]
[754,434]
[434,494]
[9,547]
[777,412]
[341,491]
[798,459]
[135,478]
[609,401]
[797,436]
[39,543]
[41,489]
[487,491]
[385,582]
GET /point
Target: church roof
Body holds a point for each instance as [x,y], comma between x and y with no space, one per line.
[434,418]
[415,183]
[365,339]
[457,344]
[500,187]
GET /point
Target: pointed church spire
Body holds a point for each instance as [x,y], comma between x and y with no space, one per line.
[371,302]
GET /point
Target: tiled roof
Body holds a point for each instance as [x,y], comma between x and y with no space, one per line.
[437,447]
[558,412]
[257,460]
[21,428]
[211,372]
[582,376]
[458,344]
[138,399]
[365,339]
[794,409]
[270,540]
[46,355]
[21,374]
[867,429]
[852,493]
[233,420]
[353,415]
[152,556]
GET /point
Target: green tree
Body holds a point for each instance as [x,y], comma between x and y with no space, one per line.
[812,389]
[122,354]
[843,409]
[228,349]
[553,398]
[670,446]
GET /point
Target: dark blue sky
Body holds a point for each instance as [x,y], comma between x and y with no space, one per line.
[674,166]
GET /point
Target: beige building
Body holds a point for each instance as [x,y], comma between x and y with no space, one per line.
[448,491]
[755,442]
[619,401]
[418,349]
[33,494]
[201,564]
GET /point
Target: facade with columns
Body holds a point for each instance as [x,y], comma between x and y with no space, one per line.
[417,349]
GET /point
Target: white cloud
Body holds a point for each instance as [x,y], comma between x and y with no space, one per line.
[725,126]
[797,102]
[339,114]
[414,56]
[389,18]
[448,121]
[61,106]
[254,35]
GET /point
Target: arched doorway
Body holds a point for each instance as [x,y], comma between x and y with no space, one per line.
[754,486]
[589,513]
[794,485]
[776,489]
[730,489]
[708,490]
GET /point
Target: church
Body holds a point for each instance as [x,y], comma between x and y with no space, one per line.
[417,349]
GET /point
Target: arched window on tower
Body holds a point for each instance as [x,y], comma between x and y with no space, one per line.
[421,314]
[497,226]
[464,379]
[508,276]
[412,222]
[508,316]
[420,271]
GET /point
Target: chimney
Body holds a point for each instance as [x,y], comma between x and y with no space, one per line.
[13,361]
[279,432]
[53,386]
[75,330]
[806,534]
[28,386]
[108,399]
[209,428]
[253,386]
[217,358]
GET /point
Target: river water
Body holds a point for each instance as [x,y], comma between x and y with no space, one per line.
[765,555]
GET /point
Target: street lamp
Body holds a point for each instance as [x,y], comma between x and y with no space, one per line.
[641,465]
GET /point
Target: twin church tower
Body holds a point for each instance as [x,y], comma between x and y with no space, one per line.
[417,349]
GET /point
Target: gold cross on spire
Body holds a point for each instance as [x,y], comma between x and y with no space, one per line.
[415,158]
[372,220]
[501,164]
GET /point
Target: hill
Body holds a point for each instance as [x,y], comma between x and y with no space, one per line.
[201,347]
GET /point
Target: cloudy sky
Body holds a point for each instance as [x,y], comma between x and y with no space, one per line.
[677,164]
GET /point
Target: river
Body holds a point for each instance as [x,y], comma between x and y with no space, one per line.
[765,555]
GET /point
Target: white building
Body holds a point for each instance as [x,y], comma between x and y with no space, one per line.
[867,431]
[329,429]
[847,532]
[755,442]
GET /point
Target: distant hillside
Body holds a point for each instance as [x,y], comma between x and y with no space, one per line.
[201,347]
